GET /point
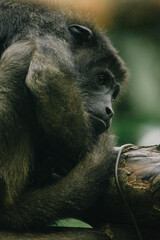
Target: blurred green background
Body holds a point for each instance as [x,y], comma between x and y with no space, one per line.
[137,115]
[136,35]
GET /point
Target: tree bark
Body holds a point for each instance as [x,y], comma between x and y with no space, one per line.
[139,179]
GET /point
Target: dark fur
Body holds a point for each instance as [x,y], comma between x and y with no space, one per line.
[52,164]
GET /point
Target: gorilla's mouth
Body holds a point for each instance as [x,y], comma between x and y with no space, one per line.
[99,125]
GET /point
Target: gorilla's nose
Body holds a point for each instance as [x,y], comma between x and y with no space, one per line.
[109,112]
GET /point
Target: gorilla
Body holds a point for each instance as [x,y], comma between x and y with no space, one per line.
[59,75]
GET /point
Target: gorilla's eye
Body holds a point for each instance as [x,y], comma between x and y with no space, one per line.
[101,79]
[105,79]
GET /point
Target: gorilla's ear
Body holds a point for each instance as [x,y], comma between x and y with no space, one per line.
[80,33]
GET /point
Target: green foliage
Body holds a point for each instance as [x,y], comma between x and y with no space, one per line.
[140,105]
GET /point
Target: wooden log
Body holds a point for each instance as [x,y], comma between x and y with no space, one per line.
[139,179]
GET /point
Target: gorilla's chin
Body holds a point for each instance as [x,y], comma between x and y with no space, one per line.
[99,126]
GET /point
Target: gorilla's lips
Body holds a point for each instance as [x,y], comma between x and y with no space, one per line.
[99,125]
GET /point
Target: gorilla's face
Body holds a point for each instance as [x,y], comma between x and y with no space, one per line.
[101,90]
[101,72]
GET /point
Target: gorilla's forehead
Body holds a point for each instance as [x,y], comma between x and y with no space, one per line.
[103,56]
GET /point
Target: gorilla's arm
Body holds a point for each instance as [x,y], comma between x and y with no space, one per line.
[15,149]
[70,197]
[73,194]
[53,82]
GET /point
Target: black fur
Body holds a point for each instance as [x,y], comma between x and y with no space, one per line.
[55,109]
